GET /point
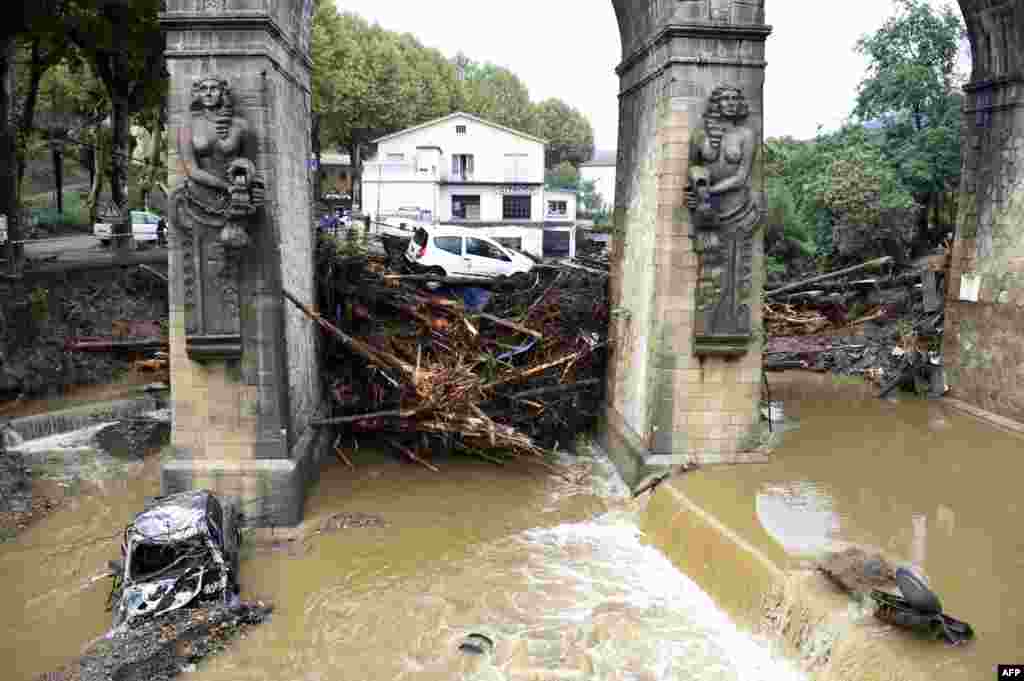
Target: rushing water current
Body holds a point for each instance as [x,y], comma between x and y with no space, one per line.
[395,565]
[555,573]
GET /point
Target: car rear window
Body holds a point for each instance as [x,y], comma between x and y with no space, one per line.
[452,244]
[420,238]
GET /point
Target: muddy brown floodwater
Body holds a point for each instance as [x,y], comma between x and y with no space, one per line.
[931,487]
[396,565]
[407,563]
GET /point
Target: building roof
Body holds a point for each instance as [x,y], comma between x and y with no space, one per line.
[602,157]
[459,114]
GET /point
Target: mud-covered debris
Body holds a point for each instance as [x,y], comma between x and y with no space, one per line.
[857,572]
[350,519]
[162,648]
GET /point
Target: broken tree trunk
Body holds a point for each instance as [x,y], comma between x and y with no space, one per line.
[830,275]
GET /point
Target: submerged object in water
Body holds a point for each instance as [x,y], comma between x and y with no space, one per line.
[477,644]
[899,611]
[920,597]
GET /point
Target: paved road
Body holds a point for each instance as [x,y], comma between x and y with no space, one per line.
[84,250]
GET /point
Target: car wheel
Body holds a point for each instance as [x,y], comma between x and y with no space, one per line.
[436,272]
[104,242]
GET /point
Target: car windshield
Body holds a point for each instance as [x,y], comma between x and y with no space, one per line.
[150,560]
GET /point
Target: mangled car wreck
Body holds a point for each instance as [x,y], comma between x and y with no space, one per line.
[183,548]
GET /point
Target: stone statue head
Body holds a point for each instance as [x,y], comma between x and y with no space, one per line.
[211,92]
[727,102]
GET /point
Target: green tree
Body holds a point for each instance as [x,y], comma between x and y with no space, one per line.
[568,132]
[22,20]
[562,176]
[123,43]
[911,89]
[496,94]
[589,201]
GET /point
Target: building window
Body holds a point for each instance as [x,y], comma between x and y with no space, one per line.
[558,208]
[396,157]
[515,242]
[460,130]
[515,207]
[462,167]
[517,167]
[466,207]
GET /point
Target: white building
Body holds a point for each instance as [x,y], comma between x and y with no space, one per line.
[463,170]
[601,169]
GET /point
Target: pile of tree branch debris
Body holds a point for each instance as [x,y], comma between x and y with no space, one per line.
[886,327]
[497,369]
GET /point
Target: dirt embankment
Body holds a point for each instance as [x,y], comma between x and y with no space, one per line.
[38,315]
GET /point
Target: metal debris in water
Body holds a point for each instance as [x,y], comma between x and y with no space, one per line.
[477,644]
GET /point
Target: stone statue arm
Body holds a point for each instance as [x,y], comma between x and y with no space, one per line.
[192,168]
[741,177]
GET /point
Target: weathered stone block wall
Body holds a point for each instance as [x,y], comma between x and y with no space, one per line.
[662,398]
[983,343]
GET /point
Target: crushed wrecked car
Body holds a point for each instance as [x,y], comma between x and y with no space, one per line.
[181,549]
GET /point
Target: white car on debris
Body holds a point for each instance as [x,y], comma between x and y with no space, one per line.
[462,252]
[146,228]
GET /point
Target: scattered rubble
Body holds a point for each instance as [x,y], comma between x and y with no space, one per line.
[885,328]
[38,318]
[162,648]
[495,369]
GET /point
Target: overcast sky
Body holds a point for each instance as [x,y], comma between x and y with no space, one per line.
[569,49]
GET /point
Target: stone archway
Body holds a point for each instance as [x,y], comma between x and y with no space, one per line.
[685,380]
[983,343]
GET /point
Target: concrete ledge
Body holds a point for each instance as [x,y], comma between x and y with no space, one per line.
[270,492]
[825,631]
[82,416]
[987,416]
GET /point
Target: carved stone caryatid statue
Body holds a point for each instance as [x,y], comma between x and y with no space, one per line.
[726,213]
[214,209]
[221,188]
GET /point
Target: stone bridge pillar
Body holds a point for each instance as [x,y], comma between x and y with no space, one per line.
[244,380]
[983,343]
[685,376]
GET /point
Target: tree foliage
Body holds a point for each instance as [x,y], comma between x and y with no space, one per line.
[911,89]
[496,94]
[562,176]
[568,131]
[368,82]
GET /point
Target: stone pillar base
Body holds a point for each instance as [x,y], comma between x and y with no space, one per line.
[634,460]
[638,463]
[270,492]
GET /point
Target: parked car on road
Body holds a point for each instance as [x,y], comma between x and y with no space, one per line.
[462,252]
[146,228]
[183,548]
